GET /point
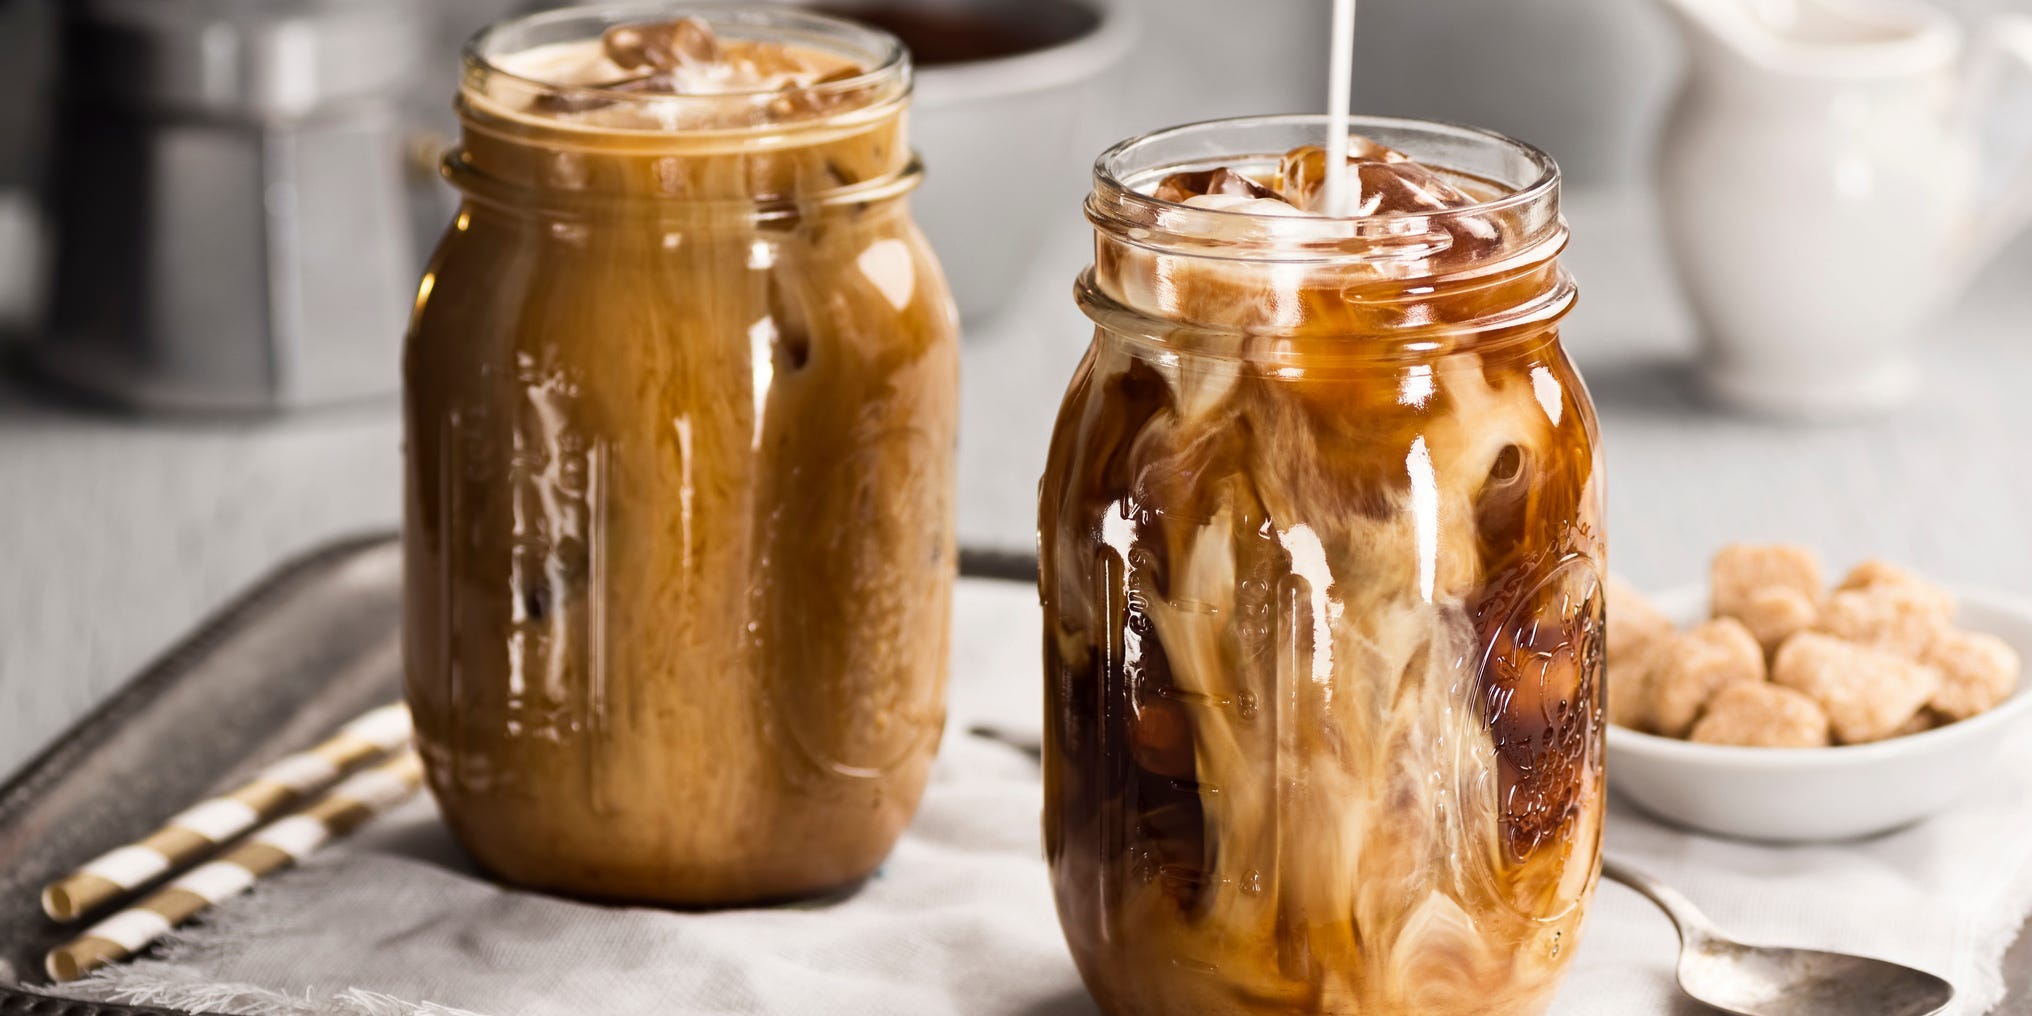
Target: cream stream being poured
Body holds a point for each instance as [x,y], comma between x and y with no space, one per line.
[1340,82]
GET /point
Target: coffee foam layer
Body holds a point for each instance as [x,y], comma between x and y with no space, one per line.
[745,67]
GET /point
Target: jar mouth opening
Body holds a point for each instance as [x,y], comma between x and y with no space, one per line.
[885,62]
[761,210]
[1121,201]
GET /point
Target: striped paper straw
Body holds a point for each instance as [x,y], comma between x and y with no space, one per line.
[277,845]
[202,828]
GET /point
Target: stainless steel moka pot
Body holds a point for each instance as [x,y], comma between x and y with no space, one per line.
[231,202]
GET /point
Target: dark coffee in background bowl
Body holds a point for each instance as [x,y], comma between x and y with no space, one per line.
[951,33]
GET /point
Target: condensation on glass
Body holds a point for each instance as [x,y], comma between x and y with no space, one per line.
[1321,553]
[680,415]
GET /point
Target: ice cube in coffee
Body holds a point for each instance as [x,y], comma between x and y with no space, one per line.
[1320,542]
[680,415]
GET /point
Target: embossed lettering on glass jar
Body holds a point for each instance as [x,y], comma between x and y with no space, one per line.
[1321,551]
[680,408]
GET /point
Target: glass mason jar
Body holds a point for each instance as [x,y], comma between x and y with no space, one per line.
[1321,550]
[680,407]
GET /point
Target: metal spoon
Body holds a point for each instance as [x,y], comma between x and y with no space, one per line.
[1752,980]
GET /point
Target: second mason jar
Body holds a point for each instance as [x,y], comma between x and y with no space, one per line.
[680,411]
[1321,554]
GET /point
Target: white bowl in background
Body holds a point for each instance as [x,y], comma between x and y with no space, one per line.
[1793,795]
[1007,143]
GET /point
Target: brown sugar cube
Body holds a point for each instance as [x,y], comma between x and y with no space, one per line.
[1690,666]
[1636,630]
[1629,687]
[1634,624]
[1875,573]
[1977,671]
[1742,570]
[1776,613]
[1867,693]
[1921,722]
[1896,618]
[1761,715]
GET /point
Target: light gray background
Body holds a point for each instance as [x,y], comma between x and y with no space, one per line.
[117,534]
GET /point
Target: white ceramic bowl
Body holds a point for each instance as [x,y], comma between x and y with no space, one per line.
[1009,144]
[1791,795]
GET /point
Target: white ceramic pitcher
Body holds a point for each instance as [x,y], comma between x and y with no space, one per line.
[1832,174]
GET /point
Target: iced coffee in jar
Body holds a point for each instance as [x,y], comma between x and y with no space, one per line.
[680,410]
[1321,558]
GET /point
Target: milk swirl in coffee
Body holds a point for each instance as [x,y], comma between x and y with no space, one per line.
[1320,542]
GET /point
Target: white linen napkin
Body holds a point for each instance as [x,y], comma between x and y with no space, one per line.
[960,918]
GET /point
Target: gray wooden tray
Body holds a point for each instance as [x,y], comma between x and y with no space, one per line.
[306,650]
[272,672]
[303,652]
